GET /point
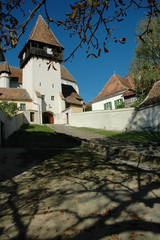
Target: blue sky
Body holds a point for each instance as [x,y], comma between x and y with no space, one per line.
[91,74]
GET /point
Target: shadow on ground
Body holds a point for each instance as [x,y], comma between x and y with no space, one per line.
[76,194]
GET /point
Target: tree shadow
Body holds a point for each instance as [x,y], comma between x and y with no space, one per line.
[82,194]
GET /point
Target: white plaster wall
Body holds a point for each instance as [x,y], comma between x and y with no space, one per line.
[128,119]
[28,78]
[48,83]
[110,120]
[100,105]
[4,80]
[145,119]
[37,77]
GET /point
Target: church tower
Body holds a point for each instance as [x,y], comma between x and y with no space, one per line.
[43,84]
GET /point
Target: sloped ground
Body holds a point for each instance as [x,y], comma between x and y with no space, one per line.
[51,194]
[145,155]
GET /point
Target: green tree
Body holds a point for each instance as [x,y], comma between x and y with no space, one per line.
[84,20]
[146,63]
[10,109]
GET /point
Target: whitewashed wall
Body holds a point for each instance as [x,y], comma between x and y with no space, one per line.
[106,119]
[119,120]
[145,119]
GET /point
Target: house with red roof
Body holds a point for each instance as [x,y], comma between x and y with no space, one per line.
[42,86]
[116,91]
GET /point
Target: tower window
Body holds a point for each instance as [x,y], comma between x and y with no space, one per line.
[24,55]
[52,85]
[52,98]
[49,51]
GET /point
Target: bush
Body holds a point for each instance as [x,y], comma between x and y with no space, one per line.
[10,109]
[122,105]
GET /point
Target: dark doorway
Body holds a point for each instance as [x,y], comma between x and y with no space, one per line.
[67,117]
[48,118]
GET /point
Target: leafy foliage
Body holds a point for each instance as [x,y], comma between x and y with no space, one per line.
[122,105]
[146,63]
[88,108]
[10,109]
[85,19]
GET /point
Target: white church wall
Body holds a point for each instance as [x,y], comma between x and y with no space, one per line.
[28,77]
[47,82]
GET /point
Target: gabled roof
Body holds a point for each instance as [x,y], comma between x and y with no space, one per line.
[4,67]
[14,94]
[70,95]
[129,93]
[13,71]
[153,96]
[115,85]
[42,33]
[72,100]
[66,75]
[16,72]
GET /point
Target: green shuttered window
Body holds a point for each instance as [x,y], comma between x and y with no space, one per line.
[118,102]
[108,106]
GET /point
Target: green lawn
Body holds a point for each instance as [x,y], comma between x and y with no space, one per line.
[35,135]
[145,136]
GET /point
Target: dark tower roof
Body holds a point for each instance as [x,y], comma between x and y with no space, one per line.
[42,33]
[41,43]
[4,67]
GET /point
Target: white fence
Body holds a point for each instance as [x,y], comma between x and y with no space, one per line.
[119,120]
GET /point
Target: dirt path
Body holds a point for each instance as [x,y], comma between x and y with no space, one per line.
[75,194]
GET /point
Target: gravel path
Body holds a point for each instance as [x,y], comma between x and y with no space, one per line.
[75,132]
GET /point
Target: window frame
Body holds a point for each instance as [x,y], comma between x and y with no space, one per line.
[22,107]
[108,106]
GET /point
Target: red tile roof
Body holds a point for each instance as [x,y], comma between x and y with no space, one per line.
[115,85]
[42,33]
[16,72]
[4,67]
[72,100]
[14,94]
[153,96]
[38,94]
[66,75]
[129,93]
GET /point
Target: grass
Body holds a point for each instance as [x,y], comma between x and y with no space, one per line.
[35,135]
[145,136]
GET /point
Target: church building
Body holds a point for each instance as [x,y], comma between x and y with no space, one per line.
[44,90]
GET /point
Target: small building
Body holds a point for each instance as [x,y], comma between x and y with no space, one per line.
[116,91]
[42,86]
